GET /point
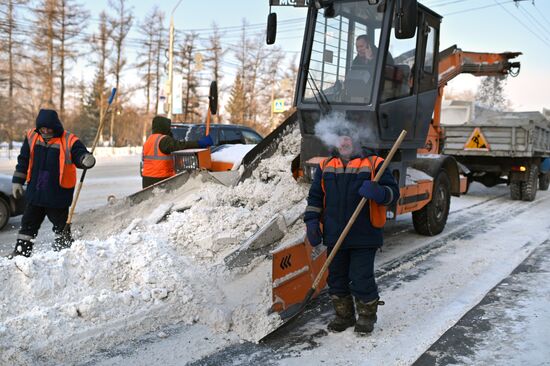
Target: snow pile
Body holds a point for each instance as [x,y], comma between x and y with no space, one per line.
[231,154]
[137,268]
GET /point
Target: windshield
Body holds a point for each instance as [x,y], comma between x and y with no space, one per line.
[192,133]
[344,54]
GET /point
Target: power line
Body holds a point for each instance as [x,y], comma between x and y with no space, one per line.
[542,27]
[445,3]
[477,8]
[542,15]
[520,22]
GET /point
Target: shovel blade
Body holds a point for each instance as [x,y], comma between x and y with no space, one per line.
[294,268]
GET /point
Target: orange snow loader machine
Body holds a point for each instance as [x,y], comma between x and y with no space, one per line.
[403,90]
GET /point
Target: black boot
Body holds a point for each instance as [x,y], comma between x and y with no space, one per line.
[367,315]
[63,240]
[345,313]
[22,247]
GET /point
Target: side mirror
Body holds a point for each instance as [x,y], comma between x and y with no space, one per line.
[213,97]
[406,13]
[271,33]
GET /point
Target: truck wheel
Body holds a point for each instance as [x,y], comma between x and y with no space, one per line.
[4,213]
[515,190]
[431,219]
[529,187]
[544,181]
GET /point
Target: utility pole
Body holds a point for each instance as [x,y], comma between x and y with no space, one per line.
[171,62]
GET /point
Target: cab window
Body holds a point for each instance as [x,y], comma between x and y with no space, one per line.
[399,69]
[344,54]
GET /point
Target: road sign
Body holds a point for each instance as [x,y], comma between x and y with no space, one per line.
[279,106]
[477,141]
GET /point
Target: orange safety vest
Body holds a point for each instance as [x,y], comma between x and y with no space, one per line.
[67,170]
[156,164]
[377,212]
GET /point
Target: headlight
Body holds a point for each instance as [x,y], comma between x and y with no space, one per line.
[186,161]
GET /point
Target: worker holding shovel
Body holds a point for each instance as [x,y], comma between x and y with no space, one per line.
[156,159]
[47,163]
[339,185]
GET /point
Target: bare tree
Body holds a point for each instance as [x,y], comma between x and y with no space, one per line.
[9,49]
[146,56]
[159,46]
[271,76]
[149,59]
[120,23]
[214,58]
[71,21]
[241,53]
[100,47]
[258,55]
[186,67]
[44,45]
[237,101]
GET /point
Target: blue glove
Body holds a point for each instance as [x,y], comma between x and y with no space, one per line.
[205,141]
[313,232]
[373,191]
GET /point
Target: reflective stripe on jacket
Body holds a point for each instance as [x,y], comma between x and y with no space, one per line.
[377,213]
[156,164]
[334,196]
[67,169]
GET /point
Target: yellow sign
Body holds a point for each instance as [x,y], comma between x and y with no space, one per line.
[278,105]
[477,141]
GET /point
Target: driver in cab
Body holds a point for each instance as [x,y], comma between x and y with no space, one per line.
[359,77]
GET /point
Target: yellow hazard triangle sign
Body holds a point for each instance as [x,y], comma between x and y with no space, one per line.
[477,141]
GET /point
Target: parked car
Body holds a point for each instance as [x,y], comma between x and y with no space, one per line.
[9,206]
[221,134]
[231,143]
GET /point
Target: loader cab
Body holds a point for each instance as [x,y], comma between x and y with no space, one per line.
[395,90]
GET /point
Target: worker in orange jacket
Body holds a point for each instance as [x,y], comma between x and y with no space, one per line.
[339,184]
[156,157]
[47,165]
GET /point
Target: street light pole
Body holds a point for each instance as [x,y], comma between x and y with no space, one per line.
[171,62]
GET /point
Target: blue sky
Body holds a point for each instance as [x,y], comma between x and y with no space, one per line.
[473,25]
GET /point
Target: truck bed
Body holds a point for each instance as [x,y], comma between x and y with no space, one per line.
[510,134]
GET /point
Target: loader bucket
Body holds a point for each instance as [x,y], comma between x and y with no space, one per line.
[294,268]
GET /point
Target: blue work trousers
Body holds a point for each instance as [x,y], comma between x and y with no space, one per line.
[352,272]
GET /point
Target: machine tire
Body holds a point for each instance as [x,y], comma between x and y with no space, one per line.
[529,187]
[4,213]
[431,219]
[544,181]
[515,190]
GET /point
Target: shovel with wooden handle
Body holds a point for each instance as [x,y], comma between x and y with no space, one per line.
[294,310]
[67,229]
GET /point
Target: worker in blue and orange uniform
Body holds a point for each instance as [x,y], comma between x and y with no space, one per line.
[47,163]
[157,161]
[339,184]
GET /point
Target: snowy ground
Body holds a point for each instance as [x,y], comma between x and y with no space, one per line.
[146,284]
[428,285]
